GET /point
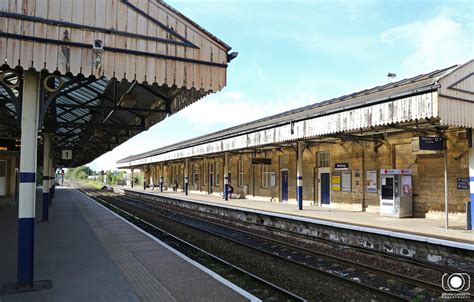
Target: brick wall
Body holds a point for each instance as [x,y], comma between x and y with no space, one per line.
[395,152]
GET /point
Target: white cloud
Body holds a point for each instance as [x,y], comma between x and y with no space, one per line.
[135,145]
[233,108]
[437,42]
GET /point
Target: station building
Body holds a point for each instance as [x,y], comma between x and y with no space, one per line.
[332,153]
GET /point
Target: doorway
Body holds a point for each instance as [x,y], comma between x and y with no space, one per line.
[284,186]
[3,177]
[324,188]
[211,178]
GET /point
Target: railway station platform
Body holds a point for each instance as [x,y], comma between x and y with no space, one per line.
[421,227]
[420,239]
[91,254]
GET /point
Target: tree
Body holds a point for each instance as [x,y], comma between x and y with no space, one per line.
[81,172]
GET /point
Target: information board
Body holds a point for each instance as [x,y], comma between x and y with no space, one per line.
[346,181]
[336,181]
[371,181]
[462,183]
[434,143]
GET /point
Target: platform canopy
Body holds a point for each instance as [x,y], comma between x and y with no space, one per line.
[427,103]
[109,69]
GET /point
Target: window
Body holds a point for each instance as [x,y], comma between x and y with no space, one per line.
[191,174]
[176,174]
[211,174]
[265,176]
[206,175]
[283,161]
[196,174]
[240,167]
[218,173]
[323,159]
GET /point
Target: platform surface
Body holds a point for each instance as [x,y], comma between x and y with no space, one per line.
[90,254]
[411,226]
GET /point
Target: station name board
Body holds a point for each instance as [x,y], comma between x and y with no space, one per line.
[10,144]
[341,166]
[261,161]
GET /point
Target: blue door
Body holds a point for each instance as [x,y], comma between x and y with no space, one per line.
[284,186]
[325,188]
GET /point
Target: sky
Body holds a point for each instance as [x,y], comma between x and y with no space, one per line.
[296,53]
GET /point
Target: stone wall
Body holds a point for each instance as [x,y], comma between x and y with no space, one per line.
[362,156]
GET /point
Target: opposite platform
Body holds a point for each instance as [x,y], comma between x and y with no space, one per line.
[419,229]
[91,254]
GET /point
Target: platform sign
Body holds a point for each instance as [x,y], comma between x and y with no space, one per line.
[261,161]
[67,154]
[433,143]
[462,183]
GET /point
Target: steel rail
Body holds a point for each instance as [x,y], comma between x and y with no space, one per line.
[370,288]
[328,241]
[427,285]
[194,247]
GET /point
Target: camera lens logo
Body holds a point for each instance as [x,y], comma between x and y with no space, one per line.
[456,282]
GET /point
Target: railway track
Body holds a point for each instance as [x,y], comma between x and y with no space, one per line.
[288,233]
[383,283]
[259,287]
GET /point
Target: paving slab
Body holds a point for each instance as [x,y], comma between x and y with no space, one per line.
[91,254]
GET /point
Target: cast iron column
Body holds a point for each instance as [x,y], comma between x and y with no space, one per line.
[299,174]
[27,192]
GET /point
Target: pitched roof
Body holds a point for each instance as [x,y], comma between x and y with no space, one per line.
[409,86]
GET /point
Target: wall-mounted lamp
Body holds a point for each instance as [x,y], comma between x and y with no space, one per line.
[232,56]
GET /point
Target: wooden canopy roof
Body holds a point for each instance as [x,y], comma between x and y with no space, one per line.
[143,40]
[109,68]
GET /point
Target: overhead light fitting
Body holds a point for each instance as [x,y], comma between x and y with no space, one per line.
[232,56]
